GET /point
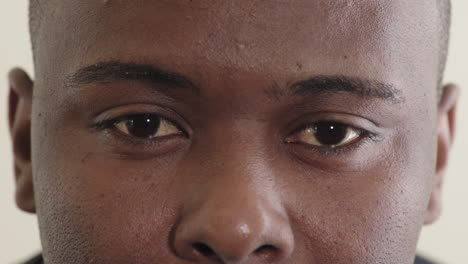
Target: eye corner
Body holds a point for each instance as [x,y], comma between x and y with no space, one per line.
[102,124]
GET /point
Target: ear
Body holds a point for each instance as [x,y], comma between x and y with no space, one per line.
[445,135]
[20,102]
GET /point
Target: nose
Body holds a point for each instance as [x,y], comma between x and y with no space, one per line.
[234,229]
[234,222]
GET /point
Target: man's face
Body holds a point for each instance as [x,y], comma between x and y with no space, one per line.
[234,131]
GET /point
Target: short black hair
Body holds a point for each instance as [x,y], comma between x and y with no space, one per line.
[36,14]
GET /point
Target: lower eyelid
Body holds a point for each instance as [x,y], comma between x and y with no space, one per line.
[329,152]
[139,142]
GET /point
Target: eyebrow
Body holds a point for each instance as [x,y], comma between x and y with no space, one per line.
[353,85]
[116,71]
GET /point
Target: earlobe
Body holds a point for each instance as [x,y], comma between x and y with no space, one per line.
[445,136]
[19,113]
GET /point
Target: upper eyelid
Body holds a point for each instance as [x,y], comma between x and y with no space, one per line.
[365,138]
[364,135]
[339,116]
[323,117]
[125,117]
[112,121]
[354,127]
[108,126]
[109,122]
[127,109]
[354,120]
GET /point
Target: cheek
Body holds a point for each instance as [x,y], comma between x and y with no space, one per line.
[372,226]
[369,217]
[96,206]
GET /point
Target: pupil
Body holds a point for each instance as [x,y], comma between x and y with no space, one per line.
[330,133]
[144,126]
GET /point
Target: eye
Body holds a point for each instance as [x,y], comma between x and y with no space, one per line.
[326,134]
[146,126]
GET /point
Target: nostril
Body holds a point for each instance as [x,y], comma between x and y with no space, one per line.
[203,249]
[266,250]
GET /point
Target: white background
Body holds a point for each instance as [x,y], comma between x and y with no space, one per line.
[446,241]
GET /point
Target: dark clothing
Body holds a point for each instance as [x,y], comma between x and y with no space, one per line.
[420,260]
[35,260]
[38,260]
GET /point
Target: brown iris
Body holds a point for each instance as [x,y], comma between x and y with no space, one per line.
[330,133]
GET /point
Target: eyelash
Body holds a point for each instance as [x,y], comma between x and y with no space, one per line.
[109,125]
[365,136]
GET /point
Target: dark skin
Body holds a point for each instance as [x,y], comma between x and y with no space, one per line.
[244,99]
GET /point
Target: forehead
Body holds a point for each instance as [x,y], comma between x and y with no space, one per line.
[385,40]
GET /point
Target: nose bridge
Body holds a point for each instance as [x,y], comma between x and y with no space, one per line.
[234,212]
[234,160]
[238,180]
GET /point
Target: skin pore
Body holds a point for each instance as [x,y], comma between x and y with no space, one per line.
[241,97]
